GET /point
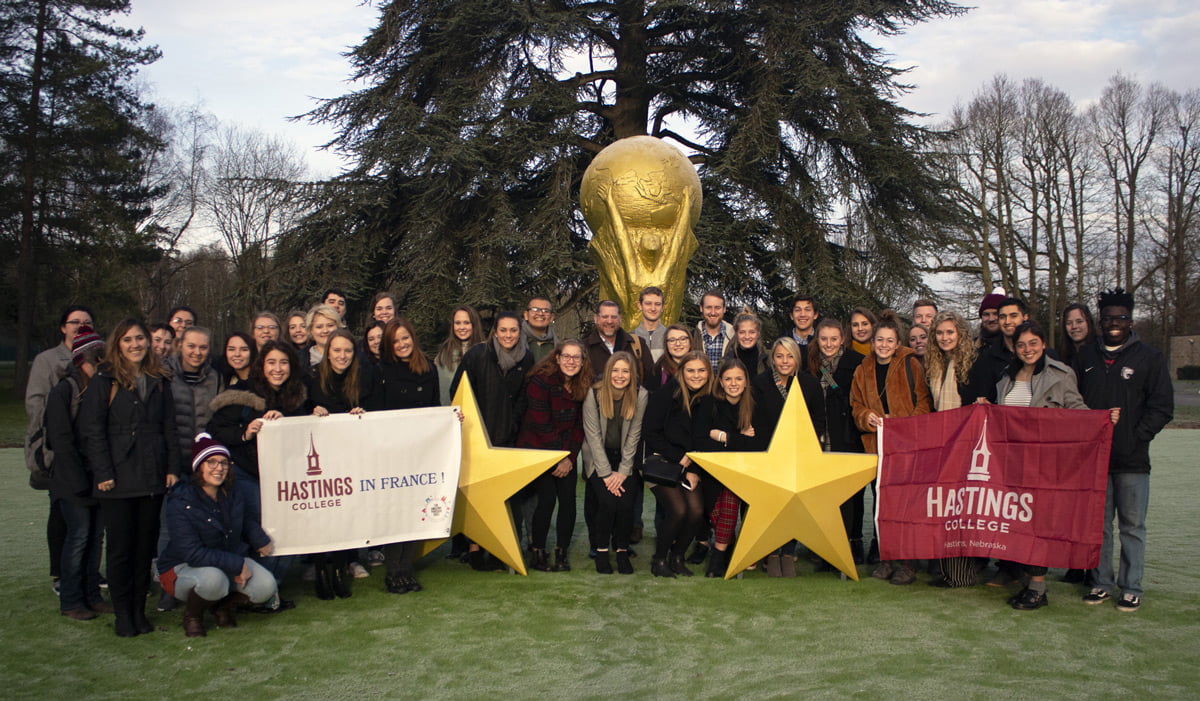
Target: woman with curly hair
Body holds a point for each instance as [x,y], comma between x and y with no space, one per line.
[953,383]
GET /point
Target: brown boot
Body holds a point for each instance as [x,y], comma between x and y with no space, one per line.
[223,609]
[193,615]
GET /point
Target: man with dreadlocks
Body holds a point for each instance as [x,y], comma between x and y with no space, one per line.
[1129,378]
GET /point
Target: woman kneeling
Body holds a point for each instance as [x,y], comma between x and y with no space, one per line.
[206,562]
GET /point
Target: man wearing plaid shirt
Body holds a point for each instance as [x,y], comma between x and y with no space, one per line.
[714,332]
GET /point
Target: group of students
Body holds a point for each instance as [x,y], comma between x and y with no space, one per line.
[125,418]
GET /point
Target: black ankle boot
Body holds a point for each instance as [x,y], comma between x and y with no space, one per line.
[660,568]
[603,566]
[140,623]
[123,623]
[698,553]
[679,566]
[343,582]
[717,562]
[561,562]
[624,566]
[324,581]
[538,560]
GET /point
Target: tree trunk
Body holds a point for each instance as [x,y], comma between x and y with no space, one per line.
[26,260]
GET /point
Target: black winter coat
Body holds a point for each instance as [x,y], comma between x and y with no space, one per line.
[398,387]
[843,434]
[233,410]
[712,413]
[70,477]
[1137,380]
[666,425]
[501,395]
[768,404]
[335,400]
[129,440]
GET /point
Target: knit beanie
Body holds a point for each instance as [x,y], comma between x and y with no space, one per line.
[86,338]
[204,448]
[993,300]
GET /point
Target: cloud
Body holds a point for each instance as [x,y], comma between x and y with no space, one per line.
[1075,45]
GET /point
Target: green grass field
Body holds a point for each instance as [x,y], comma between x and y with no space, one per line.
[583,635]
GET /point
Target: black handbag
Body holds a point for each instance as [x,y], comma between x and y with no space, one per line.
[658,470]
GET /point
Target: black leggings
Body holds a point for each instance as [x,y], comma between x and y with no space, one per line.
[551,489]
[683,511]
[852,515]
[614,514]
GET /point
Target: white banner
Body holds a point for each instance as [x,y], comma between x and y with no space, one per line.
[340,482]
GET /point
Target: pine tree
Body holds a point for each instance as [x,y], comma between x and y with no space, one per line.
[71,150]
[476,120]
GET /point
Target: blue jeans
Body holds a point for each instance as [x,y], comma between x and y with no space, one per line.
[277,565]
[213,584]
[80,564]
[1128,498]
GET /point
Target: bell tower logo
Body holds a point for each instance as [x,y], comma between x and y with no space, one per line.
[314,459]
[980,458]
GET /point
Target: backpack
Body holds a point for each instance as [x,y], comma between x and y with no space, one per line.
[39,444]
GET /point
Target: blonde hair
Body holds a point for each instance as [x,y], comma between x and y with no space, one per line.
[963,355]
[609,396]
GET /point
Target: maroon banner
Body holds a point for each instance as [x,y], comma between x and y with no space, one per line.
[1014,483]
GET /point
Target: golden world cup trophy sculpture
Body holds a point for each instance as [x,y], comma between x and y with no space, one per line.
[641,198]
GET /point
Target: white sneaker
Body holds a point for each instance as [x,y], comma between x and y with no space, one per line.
[358,571]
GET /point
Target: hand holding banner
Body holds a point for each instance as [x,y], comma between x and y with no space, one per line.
[1021,484]
[341,481]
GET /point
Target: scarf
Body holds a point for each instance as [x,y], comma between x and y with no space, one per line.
[548,337]
[508,359]
[862,347]
[946,397]
[781,383]
[828,367]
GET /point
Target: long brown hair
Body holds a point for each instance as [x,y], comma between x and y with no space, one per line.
[746,402]
[683,391]
[608,395]
[813,362]
[123,372]
[325,371]
[451,351]
[291,395]
[417,362]
[577,386]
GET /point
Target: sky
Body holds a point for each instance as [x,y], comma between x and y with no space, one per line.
[258,62]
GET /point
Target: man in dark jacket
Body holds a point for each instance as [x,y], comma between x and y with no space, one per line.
[1129,378]
[608,337]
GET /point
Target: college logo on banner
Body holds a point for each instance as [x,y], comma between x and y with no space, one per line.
[1015,483]
[340,482]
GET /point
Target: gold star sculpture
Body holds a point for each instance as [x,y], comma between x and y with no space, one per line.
[488,478]
[793,490]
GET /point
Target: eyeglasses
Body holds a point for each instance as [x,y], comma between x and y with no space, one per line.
[540,310]
[217,462]
[76,322]
[570,358]
[1118,317]
[183,322]
[270,327]
[678,339]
